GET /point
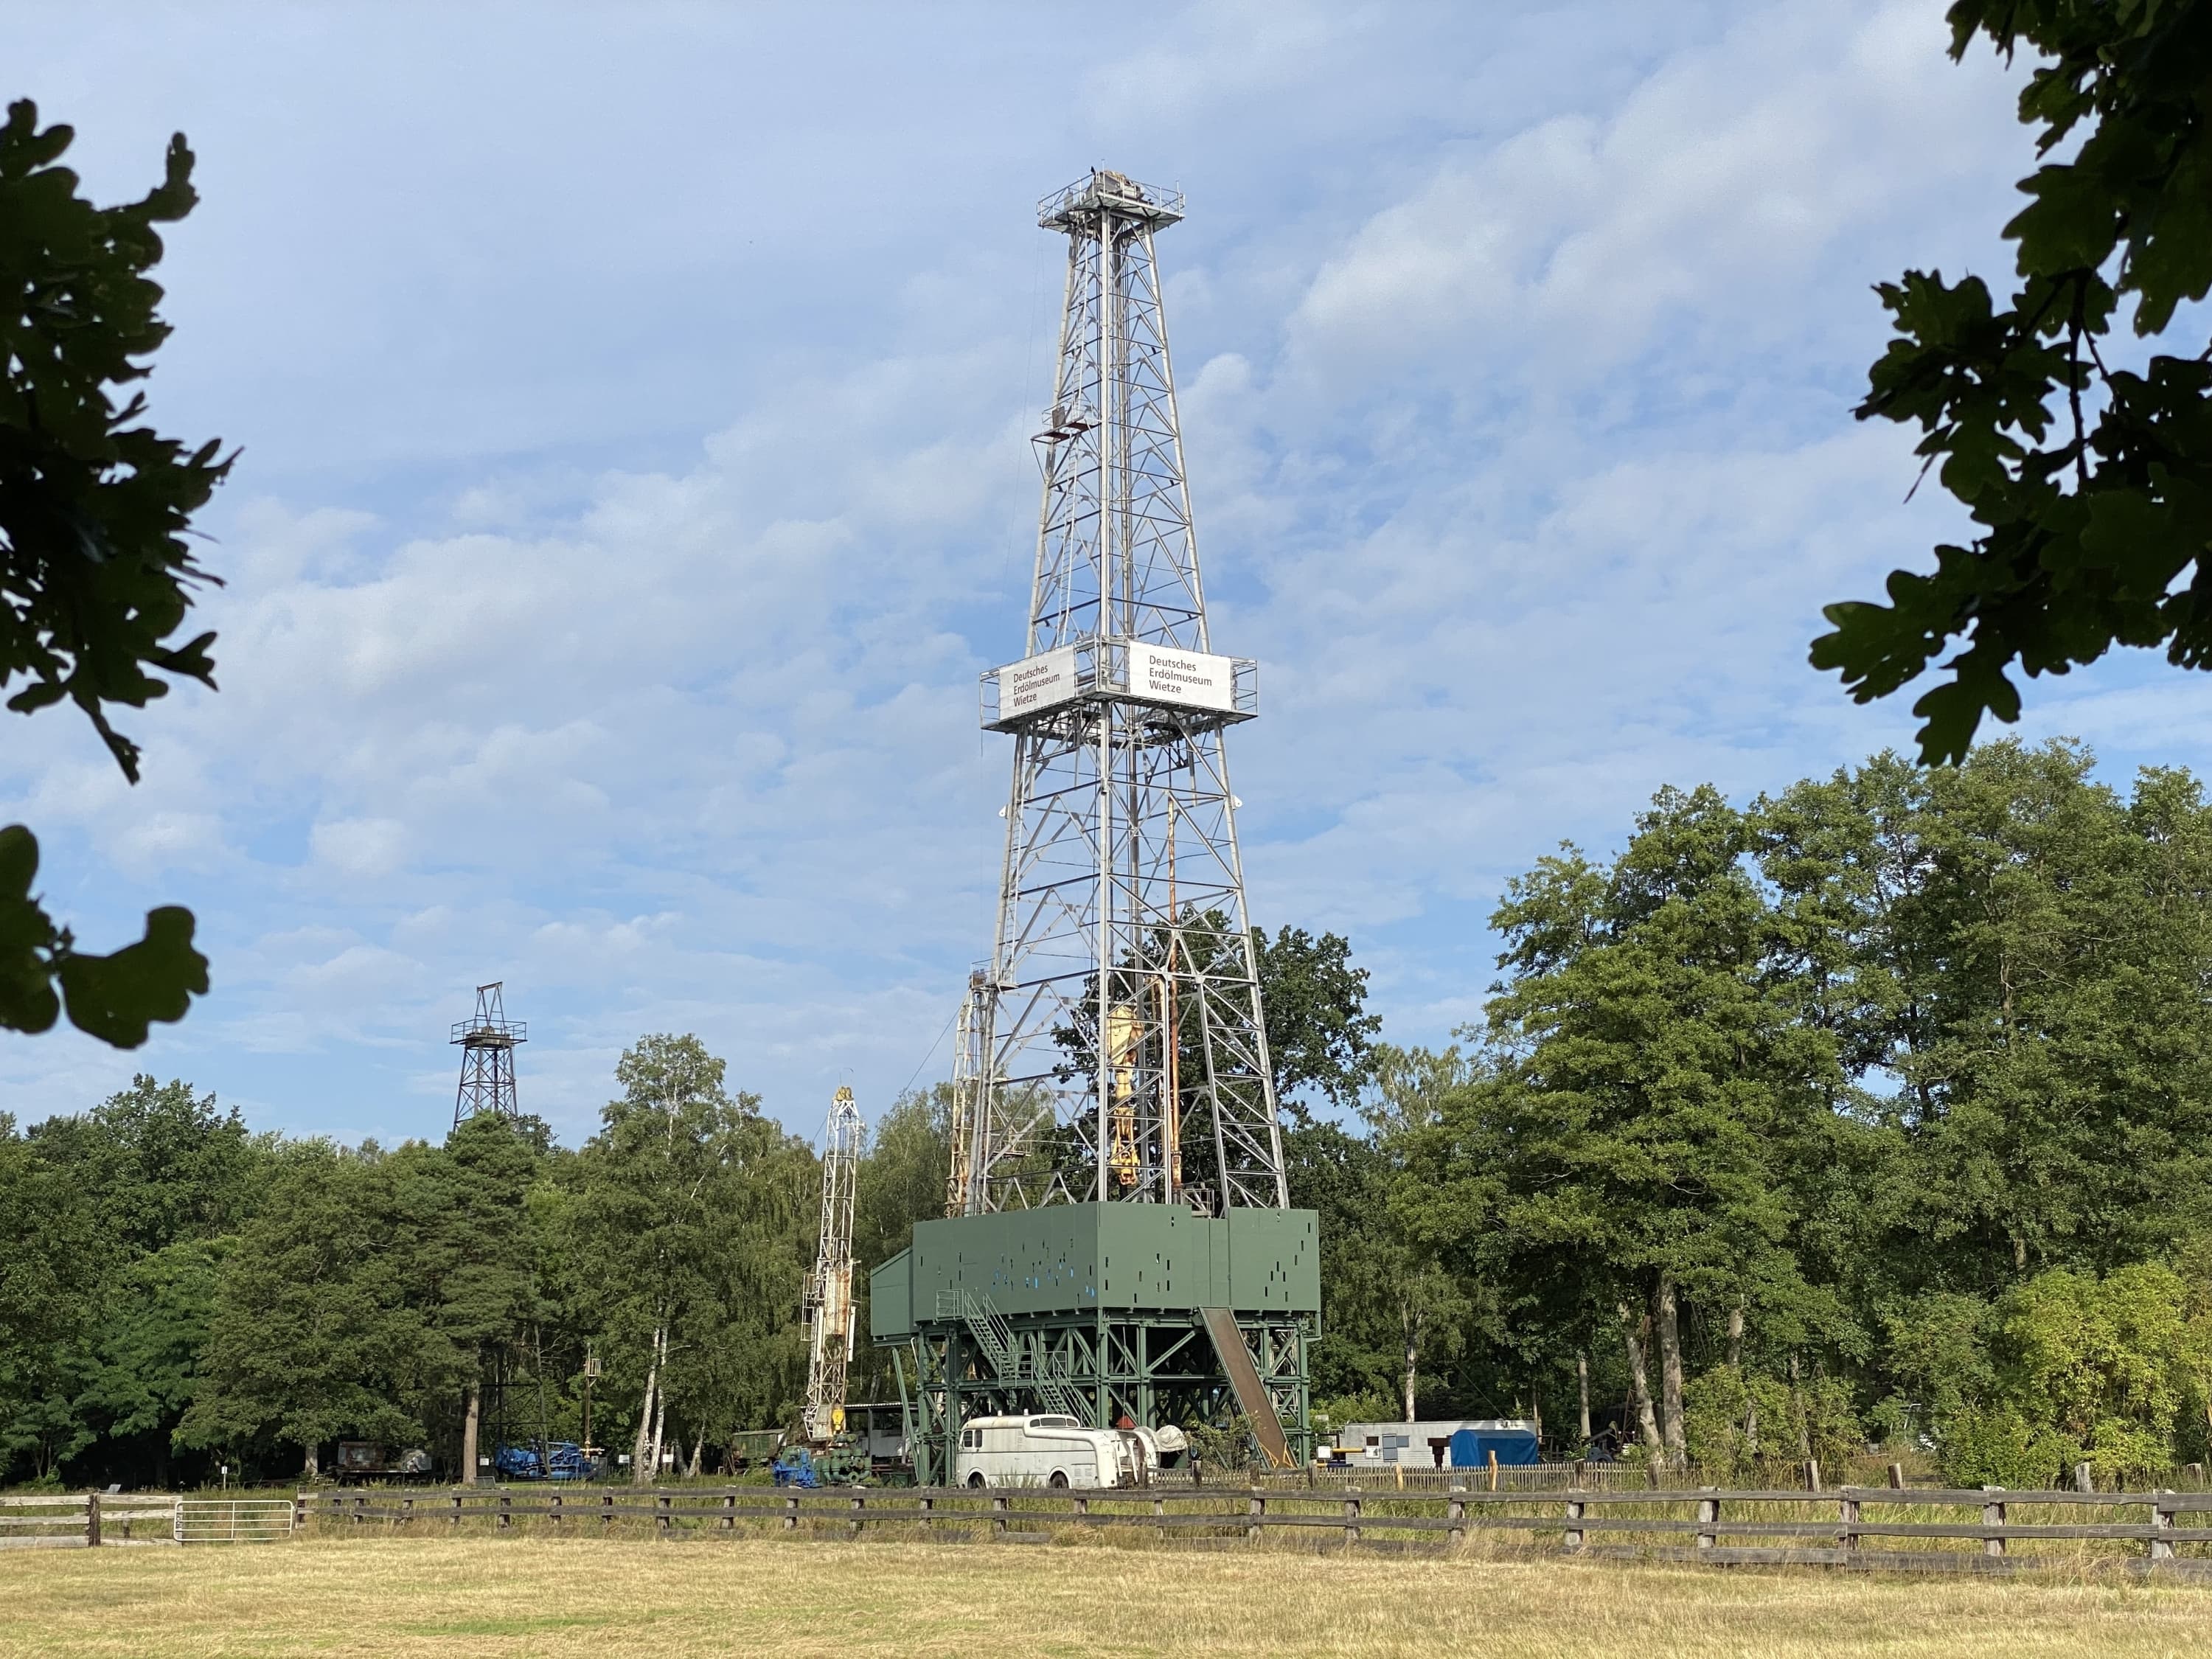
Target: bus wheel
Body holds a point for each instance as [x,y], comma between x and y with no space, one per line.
[1060,1477]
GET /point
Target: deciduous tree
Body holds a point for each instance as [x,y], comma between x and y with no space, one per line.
[315,1335]
[2087,472]
[95,568]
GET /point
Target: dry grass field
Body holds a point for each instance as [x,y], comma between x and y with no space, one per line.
[614,1599]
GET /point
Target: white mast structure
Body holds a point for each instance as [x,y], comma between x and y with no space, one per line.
[1122,916]
[828,1307]
[969,1065]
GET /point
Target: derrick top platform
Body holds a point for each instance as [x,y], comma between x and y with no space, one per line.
[1081,205]
[1099,1258]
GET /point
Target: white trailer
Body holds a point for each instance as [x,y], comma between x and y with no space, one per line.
[1412,1445]
[1051,1451]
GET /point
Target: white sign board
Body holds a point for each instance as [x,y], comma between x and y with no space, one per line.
[1037,683]
[1159,673]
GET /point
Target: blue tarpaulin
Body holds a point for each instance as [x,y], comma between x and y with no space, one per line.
[1471,1447]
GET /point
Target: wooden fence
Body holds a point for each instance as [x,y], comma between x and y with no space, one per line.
[1505,1477]
[79,1520]
[1865,1527]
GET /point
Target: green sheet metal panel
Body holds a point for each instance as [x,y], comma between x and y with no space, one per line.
[1274,1260]
[891,1299]
[1154,1255]
[1074,1258]
[1042,1261]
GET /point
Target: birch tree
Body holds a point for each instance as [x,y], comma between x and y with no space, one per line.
[693,1211]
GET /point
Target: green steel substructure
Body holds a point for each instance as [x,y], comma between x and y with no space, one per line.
[1092,1309]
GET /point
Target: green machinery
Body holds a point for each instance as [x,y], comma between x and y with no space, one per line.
[1102,1311]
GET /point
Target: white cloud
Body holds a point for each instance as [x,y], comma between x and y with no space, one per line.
[1732,171]
[359,847]
[616,549]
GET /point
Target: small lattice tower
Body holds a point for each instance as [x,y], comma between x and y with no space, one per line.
[488,1044]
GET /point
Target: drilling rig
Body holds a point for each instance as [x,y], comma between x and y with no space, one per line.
[1119,1244]
[829,1455]
[487,1043]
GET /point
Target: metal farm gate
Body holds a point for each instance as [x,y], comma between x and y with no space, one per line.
[232,1520]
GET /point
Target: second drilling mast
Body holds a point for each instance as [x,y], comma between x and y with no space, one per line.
[829,1309]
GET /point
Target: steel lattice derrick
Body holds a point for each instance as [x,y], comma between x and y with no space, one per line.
[971,1049]
[487,1041]
[828,1312]
[1126,1051]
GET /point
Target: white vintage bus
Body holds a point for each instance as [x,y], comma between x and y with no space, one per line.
[1046,1450]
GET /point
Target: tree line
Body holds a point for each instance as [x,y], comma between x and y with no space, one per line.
[1873,1111]
[1878,1108]
[179,1291]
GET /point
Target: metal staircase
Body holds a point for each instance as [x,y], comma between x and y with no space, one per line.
[1012,1364]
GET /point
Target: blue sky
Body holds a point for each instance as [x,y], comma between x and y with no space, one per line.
[634,403]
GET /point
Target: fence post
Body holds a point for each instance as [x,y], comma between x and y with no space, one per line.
[1571,1540]
[553,1509]
[299,1510]
[929,1512]
[2161,1519]
[91,1519]
[1709,1515]
[1812,1475]
[1897,1477]
[999,1507]
[606,1512]
[407,1508]
[1993,1514]
[859,1503]
[1849,1534]
[1352,1510]
[729,1511]
[360,1508]
[1257,1510]
[791,1512]
[506,1509]
[1456,1512]
[661,1518]
[2082,1480]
